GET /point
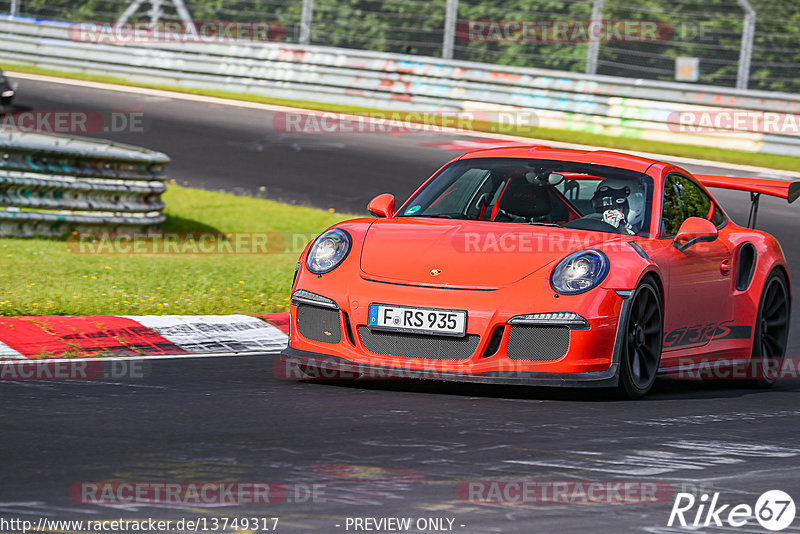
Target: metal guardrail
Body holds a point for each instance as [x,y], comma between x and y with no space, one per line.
[51,185]
[598,104]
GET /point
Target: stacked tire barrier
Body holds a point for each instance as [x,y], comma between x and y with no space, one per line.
[599,104]
[51,185]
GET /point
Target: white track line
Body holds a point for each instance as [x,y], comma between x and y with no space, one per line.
[482,135]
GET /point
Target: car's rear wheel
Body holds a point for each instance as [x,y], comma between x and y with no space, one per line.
[641,342]
[771,331]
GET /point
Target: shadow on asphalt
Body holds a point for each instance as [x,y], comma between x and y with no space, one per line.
[15,108]
[663,390]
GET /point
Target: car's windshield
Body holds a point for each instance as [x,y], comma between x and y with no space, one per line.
[526,191]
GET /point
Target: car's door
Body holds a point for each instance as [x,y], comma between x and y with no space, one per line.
[698,278]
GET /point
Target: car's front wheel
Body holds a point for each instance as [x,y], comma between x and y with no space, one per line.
[641,342]
[771,331]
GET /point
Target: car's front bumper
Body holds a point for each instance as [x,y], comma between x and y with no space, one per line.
[591,359]
[302,365]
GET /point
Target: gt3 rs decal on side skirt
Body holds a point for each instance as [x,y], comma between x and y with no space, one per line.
[689,335]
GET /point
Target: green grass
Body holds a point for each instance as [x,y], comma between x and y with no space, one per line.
[568,136]
[49,276]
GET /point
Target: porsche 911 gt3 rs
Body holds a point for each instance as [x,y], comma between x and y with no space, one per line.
[546,266]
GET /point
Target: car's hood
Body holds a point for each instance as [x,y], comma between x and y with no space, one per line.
[467,253]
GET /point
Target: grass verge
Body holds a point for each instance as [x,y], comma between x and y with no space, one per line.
[568,136]
[51,277]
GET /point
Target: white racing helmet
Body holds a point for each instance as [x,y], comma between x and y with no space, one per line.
[626,195]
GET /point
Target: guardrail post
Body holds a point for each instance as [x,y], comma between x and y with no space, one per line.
[305,22]
[746,49]
[450,21]
[593,50]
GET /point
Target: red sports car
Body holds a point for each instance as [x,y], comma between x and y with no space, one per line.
[545,266]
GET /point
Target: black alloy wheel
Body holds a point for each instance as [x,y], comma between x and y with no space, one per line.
[642,342]
[771,331]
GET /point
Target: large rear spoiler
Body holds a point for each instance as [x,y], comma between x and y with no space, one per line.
[756,187]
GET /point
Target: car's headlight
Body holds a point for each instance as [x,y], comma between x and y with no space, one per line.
[328,251]
[579,272]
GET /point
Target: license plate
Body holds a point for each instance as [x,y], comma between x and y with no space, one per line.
[418,320]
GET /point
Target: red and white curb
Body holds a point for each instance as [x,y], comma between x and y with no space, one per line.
[146,335]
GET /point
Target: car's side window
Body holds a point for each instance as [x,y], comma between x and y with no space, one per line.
[683,199]
[717,217]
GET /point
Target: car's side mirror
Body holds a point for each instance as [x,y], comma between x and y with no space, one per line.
[694,230]
[382,205]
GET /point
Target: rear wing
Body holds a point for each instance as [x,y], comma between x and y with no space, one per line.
[756,187]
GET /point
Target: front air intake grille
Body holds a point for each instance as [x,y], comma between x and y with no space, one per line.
[418,345]
[319,324]
[494,341]
[538,343]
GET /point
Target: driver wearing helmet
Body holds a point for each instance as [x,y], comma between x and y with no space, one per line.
[621,204]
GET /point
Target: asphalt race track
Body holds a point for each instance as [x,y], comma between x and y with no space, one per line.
[377,449]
